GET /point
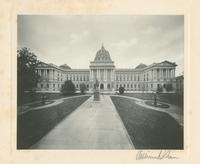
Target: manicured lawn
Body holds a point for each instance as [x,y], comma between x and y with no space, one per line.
[32,97]
[33,125]
[171,98]
[149,129]
[159,105]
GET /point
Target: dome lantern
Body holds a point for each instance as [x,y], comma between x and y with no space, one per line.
[102,55]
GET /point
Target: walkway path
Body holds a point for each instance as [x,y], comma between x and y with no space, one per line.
[94,125]
[173,110]
[55,102]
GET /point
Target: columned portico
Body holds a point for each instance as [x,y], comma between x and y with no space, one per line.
[104,67]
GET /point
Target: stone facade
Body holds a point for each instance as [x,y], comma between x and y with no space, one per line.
[142,78]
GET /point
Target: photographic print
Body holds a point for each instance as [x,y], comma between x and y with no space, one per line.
[100,82]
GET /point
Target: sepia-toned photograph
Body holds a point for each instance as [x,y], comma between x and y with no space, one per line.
[100,82]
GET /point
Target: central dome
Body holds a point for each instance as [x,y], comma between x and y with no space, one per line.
[102,55]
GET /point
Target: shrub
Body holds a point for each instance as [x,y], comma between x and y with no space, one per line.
[159,89]
[169,87]
[121,90]
[68,88]
[83,88]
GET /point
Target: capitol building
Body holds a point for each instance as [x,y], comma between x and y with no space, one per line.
[141,78]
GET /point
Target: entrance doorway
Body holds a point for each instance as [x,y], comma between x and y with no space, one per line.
[101,86]
[108,86]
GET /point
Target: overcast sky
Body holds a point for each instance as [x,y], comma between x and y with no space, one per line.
[131,40]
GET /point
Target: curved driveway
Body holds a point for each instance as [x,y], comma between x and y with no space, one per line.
[173,110]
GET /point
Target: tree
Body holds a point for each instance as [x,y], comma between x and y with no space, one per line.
[159,88]
[27,77]
[121,90]
[83,88]
[168,87]
[68,88]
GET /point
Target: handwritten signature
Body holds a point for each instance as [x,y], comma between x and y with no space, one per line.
[162,154]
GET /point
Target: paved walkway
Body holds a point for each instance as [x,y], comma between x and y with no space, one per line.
[173,110]
[93,125]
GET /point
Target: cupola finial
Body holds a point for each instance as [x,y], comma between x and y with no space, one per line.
[102,45]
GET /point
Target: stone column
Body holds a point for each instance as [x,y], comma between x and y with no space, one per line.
[51,74]
[164,75]
[44,72]
[111,72]
[114,78]
[154,70]
[157,74]
[174,73]
[171,75]
[39,72]
[104,75]
[98,73]
[167,73]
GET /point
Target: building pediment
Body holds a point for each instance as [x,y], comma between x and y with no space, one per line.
[41,64]
[166,64]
